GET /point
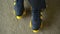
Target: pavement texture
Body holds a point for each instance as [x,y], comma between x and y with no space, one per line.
[10,25]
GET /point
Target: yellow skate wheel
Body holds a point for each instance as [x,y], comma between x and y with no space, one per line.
[41,13]
[41,17]
[35,31]
[14,0]
[30,24]
[18,17]
[14,3]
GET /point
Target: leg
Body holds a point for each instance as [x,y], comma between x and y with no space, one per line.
[36,9]
[36,14]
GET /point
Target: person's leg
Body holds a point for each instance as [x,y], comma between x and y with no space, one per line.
[36,9]
[19,7]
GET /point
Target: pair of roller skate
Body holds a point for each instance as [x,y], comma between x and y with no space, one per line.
[35,26]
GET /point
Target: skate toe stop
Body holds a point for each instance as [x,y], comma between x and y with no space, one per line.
[18,17]
[35,31]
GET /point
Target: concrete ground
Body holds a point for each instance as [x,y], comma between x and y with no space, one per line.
[10,25]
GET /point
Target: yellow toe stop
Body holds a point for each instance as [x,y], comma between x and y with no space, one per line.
[35,31]
[18,17]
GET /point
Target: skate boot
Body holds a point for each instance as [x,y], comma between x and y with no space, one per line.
[18,16]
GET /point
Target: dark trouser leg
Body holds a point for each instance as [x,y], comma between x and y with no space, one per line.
[19,7]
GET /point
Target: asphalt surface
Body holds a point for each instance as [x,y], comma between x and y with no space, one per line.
[10,25]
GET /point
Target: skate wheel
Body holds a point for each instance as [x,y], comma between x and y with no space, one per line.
[41,13]
[14,3]
[41,17]
[30,24]
[18,17]
[35,31]
[14,0]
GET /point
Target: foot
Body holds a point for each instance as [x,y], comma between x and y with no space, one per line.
[20,17]
[35,31]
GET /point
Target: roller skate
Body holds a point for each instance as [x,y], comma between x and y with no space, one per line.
[18,16]
[36,25]
[36,29]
